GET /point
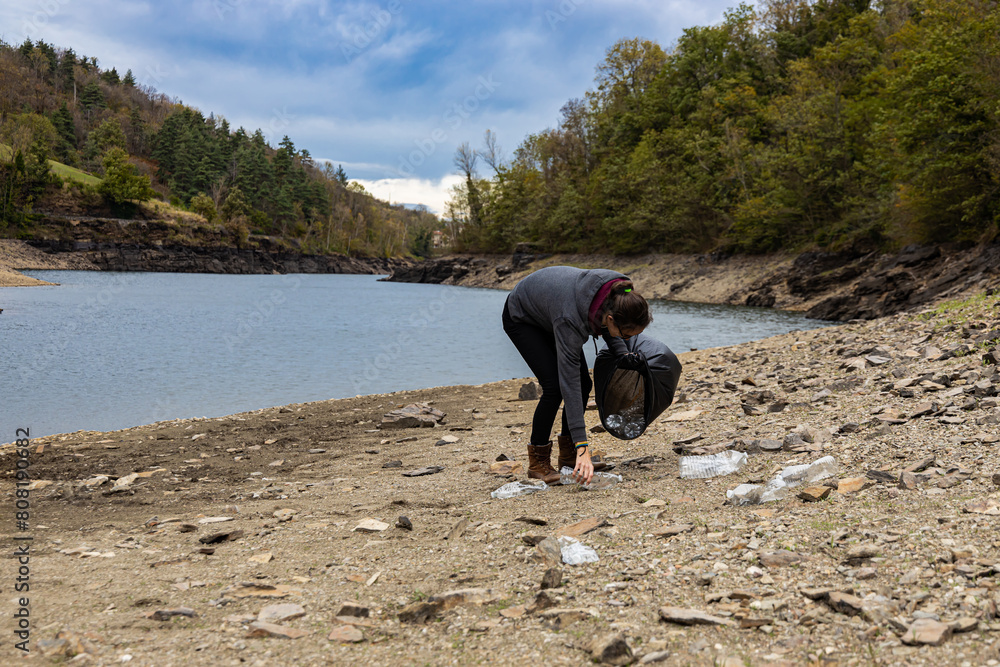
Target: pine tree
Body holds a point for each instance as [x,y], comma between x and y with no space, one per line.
[92,97]
[67,70]
[111,77]
[129,79]
[62,120]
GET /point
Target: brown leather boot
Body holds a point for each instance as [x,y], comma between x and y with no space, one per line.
[567,455]
[540,463]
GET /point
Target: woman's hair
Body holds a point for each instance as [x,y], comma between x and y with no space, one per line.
[627,306]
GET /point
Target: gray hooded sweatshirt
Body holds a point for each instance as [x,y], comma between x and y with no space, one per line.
[557,299]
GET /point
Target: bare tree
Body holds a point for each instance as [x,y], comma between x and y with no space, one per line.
[465,160]
[491,153]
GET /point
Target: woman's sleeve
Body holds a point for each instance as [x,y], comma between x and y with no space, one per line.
[569,352]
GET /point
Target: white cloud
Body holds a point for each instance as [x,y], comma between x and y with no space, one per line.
[432,194]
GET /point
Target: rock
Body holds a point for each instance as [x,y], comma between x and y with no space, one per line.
[533,520]
[347,634]
[865,573]
[458,529]
[464,596]
[988,506]
[851,484]
[284,514]
[907,480]
[861,552]
[530,391]
[446,440]
[549,550]
[769,445]
[965,624]
[552,578]
[781,558]
[419,612]
[844,603]
[260,629]
[352,609]
[261,559]
[256,590]
[167,614]
[611,649]
[419,472]
[214,519]
[558,619]
[996,478]
[927,631]
[277,613]
[415,415]
[581,527]
[507,468]
[392,464]
[371,526]
[674,529]
[404,523]
[654,657]
[228,536]
[812,494]
[683,616]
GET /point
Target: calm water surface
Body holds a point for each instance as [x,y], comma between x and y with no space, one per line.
[104,351]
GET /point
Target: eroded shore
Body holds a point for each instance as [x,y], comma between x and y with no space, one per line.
[169,542]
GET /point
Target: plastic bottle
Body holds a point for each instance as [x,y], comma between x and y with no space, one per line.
[628,424]
[599,482]
[514,489]
[575,553]
[712,465]
[778,488]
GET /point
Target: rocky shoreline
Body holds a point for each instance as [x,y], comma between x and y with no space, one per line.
[329,532]
[828,286]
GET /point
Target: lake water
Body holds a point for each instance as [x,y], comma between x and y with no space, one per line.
[104,351]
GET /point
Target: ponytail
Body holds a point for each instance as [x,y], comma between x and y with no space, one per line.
[627,306]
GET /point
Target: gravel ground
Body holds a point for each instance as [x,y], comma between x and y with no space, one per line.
[274,537]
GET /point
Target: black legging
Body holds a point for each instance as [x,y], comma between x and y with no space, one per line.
[538,347]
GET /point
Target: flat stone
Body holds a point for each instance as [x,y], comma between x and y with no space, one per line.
[415,415]
[560,618]
[464,596]
[611,649]
[285,514]
[419,612]
[261,559]
[228,536]
[352,609]
[965,624]
[845,603]
[167,614]
[862,552]
[865,573]
[549,550]
[277,613]
[506,468]
[812,494]
[654,657]
[851,484]
[988,506]
[347,634]
[581,527]
[781,558]
[260,629]
[458,529]
[673,529]
[446,440]
[927,631]
[419,472]
[533,520]
[371,526]
[552,578]
[683,616]
[392,464]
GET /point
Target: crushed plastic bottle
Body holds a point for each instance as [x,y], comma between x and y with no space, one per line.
[515,489]
[574,552]
[779,486]
[712,465]
[629,423]
[600,481]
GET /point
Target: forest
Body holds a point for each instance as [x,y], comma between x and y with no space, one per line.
[838,125]
[63,118]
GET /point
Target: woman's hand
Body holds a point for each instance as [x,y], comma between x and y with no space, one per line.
[584,470]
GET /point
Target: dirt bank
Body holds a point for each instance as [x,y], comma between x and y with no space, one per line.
[228,516]
[823,285]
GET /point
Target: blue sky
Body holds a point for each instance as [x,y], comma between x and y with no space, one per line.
[388,88]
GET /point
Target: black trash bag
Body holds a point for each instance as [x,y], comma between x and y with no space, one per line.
[634,388]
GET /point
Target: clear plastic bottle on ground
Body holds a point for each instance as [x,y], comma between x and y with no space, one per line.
[601,480]
[778,488]
[712,465]
[574,552]
[515,489]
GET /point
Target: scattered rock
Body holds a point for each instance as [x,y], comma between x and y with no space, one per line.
[415,415]
[347,634]
[927,631]
[392,464]
[611,649]
[167,614]
[371,526]
[228,536]
[277,613]
[581,527]
[552,578]
[781,558]
[260,629]
[812,494]
[404,523]
[530,391]
[673,529]
[352,609]
[691,617]
[419,472]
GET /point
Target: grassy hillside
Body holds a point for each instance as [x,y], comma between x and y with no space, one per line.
[61,170]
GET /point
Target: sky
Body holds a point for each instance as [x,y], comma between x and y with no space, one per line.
[387,88]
